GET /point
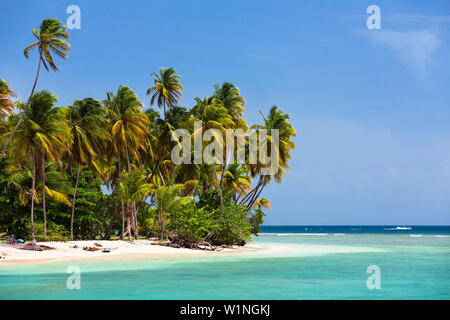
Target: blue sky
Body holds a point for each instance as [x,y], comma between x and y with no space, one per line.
[371,107]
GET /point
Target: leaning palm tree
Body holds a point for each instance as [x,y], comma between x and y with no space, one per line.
[168,200]
[167,90]
[213,115]
[50,40]
[276,120]
[42,135]
[87,122]
[6,105]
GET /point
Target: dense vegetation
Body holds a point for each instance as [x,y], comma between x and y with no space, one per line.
[101,168]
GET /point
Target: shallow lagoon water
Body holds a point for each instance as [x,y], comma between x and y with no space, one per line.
[323,265]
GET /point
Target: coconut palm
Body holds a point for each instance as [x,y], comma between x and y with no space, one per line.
[42,135]
[128,125]
[168,200]
[262,203]
[229,96]
[213,115]
[87,122]
[132,188]
[276,120]
[167,90]
[237,180]
[51,39]
[6,105]
[162,131]
[128,130]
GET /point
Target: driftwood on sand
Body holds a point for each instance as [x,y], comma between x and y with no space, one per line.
[28,246]
[203,245]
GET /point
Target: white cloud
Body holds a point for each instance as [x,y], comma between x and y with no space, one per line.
[413,47]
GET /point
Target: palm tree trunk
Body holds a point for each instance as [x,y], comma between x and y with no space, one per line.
[245,198]
[5,148]
[33,239]
[220,191]
[122,208]
[73,201]
[44,207]
[129,223]
[128,159]
[160,225]
[161,176]
[250,205]
[123,221]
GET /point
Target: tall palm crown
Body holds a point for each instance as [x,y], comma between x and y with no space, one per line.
[167,90]
[229,96]
[6,105]
[277,119]
[87,122]
[128,124]
[44,129]
[51,38]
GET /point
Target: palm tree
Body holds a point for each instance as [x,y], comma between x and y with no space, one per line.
[6,105]
[42,135]
[237,180]
[128,124]
[263,203]
[277,120]
[229,96]
[132,188]
[50,40]
[167,90]
[168,200]
[87,122]
[161,132]
[213,115]
[128,127]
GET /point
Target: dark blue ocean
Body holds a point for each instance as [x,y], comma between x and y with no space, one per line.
[394,229]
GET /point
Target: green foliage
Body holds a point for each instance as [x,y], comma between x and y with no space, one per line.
[55,232]
[256,219]
[211,199]
[233,228]
[190,224]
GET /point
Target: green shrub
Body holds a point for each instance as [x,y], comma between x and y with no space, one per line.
[191,224]
[55,232]
[233,228]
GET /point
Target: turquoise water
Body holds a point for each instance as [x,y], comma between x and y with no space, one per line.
[413,265]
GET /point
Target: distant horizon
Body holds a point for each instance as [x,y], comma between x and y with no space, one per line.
[357,225]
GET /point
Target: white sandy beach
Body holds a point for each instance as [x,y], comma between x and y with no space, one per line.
[145,249]
[65,251]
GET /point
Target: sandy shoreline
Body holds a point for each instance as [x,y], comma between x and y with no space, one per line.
[140,249]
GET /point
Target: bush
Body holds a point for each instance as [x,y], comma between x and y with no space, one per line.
[256,220]
[55,232]
[233,228]
[190,225]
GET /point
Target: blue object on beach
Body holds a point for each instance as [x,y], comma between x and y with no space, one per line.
[20,241]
